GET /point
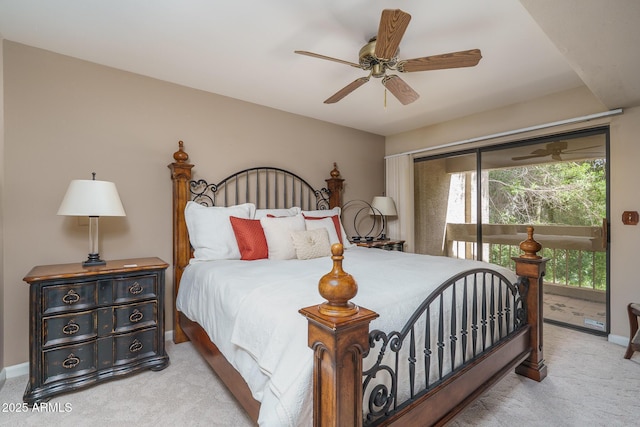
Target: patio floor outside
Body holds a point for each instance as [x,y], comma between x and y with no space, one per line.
[577,312]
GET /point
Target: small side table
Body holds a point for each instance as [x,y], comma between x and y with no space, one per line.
[91,324]
[388,245]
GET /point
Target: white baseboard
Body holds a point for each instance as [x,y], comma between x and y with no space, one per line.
[17,370]
[617,339]
[23,368]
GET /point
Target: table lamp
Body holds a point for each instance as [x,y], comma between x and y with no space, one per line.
[385,207]
[93,199]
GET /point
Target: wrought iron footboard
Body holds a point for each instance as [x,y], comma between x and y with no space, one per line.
[463,319]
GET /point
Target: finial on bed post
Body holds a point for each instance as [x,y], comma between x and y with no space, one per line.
[335,173]
[337,287]
[530,247]
[334,184]
[180,156]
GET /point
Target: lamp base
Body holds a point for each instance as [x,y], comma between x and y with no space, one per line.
[383,237]
[93,260]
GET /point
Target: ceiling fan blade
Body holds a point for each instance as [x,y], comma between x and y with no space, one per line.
[400,89]
[464,58]
[531,156]
[393,24]
[542,152]
[582,148]
[585,155]
[328,58]
[346,90]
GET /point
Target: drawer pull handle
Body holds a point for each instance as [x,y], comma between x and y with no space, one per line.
[70,328]
[136,316]
[71,297]
[135,346]
[70,362]
[136,288]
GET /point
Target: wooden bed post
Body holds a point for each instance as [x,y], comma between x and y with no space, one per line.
[532,266]
[339,337]
[334,185]
[180,176]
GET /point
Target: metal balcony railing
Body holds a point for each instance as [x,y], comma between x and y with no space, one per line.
[577,255]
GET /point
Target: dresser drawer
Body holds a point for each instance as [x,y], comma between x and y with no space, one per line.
[135,345]
[69,361]
[135,316]
[135,288]
[76,296]
[68,328]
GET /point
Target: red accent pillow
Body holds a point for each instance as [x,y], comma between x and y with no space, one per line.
[250,237]
[336,223]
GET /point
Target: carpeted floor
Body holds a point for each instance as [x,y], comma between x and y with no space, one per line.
[589,384]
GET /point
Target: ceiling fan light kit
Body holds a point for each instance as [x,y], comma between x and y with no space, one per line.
[380,55]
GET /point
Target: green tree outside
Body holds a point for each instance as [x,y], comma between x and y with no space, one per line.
[563,193]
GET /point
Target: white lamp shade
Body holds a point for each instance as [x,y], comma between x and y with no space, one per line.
[91,198]
[384,205]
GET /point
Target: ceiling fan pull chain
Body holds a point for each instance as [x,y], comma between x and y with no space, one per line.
[385,97]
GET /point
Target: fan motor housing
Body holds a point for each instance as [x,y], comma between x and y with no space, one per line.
[369,60]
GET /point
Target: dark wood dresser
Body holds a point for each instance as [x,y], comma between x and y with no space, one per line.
[90,324]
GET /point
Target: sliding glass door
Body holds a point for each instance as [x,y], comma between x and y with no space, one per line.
[557,184]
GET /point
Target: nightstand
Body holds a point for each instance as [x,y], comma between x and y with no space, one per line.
[90,324]
[388,245]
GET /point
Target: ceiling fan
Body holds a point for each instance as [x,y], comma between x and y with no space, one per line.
[555,149]
[380,55]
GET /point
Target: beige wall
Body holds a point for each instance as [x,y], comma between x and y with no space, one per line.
[625,195]
[2,323]
[66,118]
[624,156]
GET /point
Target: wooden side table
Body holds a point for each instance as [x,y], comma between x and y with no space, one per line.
[90,324]
[388,245]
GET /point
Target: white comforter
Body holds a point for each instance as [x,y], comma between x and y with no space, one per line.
[250,310]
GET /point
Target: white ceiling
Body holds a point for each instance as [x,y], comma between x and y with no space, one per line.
[244,49]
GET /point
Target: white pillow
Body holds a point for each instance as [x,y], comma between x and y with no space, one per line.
[330,212]
[311,243]
[262,213]
[324,223]
[277,231]
[210,231]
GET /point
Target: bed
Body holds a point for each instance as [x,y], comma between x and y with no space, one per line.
[395,342]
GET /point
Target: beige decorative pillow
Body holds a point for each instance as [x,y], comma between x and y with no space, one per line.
[277,231]
[311,243]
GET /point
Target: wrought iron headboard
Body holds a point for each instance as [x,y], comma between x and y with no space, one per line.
[266,187]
